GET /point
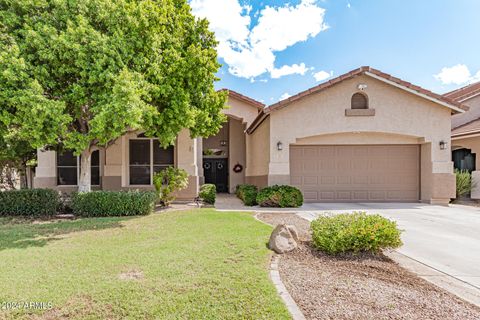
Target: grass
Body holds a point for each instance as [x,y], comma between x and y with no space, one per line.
[199,264]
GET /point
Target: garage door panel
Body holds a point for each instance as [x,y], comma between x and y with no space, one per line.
[356,173]
[327,180]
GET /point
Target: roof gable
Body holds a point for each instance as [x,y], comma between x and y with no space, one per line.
[455,106]
[241,97]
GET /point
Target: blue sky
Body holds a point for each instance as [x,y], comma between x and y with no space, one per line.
[272,49]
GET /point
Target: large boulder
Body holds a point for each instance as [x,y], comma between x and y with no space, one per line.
[283,238]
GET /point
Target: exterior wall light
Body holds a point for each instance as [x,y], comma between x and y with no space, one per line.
[443,145]
[223,143]
[279,146]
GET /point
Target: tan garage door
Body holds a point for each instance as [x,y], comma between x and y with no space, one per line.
[356,173]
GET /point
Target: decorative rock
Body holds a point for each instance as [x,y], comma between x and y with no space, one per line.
[293,231]
[282,240]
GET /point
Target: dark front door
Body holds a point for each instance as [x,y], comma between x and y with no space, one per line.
[216,172]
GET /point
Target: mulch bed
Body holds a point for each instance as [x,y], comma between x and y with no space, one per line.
[361,286]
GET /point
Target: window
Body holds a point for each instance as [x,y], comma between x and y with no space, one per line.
[95,168]
[147,157]
[67,169]
[359,101]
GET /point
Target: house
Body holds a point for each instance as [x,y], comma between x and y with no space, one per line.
[130,162]
[466,133]
[363,136]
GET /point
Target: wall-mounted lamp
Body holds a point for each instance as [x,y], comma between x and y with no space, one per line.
[223,143]
[362,87]
[443,145]
[279,146]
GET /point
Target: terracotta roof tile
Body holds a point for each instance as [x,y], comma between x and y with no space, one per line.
[244,98]
[471,127]
[464,93]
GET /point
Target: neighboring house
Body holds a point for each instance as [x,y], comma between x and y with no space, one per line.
[466,133]
[363,136]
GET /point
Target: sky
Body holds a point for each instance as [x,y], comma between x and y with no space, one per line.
[270,50]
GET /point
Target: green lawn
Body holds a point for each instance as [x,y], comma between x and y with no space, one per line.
[199,264]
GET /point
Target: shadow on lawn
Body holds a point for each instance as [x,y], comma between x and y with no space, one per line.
[18,233]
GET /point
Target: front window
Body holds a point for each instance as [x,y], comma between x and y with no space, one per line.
[67,168]
[148,157]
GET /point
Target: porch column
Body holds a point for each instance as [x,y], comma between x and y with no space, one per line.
[187,158]
[45,173]
[112,169]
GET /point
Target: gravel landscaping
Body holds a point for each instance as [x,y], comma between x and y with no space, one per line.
[365,286]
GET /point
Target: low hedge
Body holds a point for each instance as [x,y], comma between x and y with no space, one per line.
[29,202]
[280,196]
[247,193]
[354,232]
[208,193]
[113,203]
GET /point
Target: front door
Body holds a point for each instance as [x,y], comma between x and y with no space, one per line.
[216,172]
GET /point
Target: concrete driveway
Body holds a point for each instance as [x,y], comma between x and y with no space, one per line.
[444,238]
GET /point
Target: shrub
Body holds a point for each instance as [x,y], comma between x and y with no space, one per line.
[280,196]
[113,203]
[167,182]
[247,193]
[354,233]
[208,193]
[464,182]
[29,202]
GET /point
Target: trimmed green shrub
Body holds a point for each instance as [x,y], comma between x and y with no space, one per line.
[247,193]
[464,182]
[208,192]
[167,182]
[29,202]
[113,203]
[280,196]
[354,232]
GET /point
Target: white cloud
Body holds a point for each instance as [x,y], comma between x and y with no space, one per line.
[458,74]
[249,51]
[349,5]
[322,75]
[287,70]
[284,96]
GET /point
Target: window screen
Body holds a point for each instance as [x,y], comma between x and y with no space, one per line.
[140,162]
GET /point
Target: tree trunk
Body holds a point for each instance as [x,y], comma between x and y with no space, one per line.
[84,181]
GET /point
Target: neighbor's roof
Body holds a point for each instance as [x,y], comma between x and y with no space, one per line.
[366,70]
[244,98]
[469,128]
[464,93]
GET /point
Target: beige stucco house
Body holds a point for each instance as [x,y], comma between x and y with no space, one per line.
[466,133]
[363,136]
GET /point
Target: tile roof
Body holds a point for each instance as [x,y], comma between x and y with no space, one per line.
[369,71]
[468,128]
[464,93]
[244,98]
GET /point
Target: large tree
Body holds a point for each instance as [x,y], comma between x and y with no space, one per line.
[107,67]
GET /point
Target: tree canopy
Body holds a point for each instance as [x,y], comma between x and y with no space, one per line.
[81,73]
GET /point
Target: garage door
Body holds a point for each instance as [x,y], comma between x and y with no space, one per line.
[356,173]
